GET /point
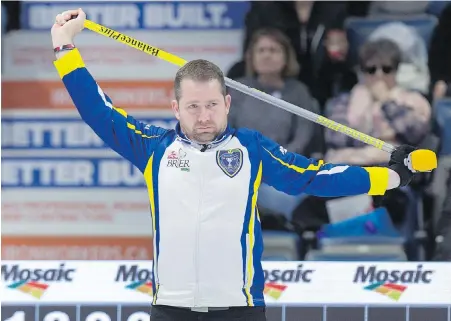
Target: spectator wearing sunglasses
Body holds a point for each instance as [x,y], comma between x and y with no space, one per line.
[377,106]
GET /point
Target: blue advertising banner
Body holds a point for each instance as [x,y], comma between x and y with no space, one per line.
[69,172]
[154,15]
[59,133]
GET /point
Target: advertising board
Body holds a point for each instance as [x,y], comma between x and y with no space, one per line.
[122,290]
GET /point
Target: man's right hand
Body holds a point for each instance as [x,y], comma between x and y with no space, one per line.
[66,26]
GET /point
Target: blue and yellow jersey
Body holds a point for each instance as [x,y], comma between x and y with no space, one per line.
[207,232]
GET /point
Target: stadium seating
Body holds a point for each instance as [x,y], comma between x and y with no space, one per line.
[280,246]
[358,29]
[368,237]
[347,239]
[389,253]
[442,110]
[375,224]
[386,244]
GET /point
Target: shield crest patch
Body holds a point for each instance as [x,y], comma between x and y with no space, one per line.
[230,161]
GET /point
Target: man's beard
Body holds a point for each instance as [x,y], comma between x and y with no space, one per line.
[205,138]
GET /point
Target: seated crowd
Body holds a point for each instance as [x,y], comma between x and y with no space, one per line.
[299,51]
[387,87]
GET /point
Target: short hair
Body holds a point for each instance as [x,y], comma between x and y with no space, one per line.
[199,70]
[380,49]
[291,68]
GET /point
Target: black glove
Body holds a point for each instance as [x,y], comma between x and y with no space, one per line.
[399,165]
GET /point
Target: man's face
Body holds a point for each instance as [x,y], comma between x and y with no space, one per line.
[202,109]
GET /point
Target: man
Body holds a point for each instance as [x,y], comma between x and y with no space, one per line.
[203,179]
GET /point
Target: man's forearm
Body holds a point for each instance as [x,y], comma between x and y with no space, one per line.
[61,42]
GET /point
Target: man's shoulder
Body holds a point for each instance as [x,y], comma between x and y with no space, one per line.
[157,130]
[250,140]
[158,134]
[247,136]
[255,141]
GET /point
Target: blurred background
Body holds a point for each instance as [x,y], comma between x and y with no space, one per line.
[381,67]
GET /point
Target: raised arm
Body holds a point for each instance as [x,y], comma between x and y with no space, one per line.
[130,138]
[295,174]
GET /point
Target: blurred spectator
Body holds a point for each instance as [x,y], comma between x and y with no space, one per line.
[4,18]
[435,7]
[440,56]
[4,24]
[271,67]
[443,238]
[12,10]
[358,8]
[379,107]
[413,71]
[336,75]
[308,24]
[397,8]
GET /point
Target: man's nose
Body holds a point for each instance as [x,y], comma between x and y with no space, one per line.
[204,115]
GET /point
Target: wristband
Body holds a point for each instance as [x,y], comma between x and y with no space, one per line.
[63,48]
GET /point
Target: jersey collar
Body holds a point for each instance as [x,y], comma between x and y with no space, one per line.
[203,147]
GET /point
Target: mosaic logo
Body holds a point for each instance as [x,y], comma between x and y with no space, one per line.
[34,281]
[393,291]
[274,290]
[142,286]
[35,289]
[140,278]
[391,283]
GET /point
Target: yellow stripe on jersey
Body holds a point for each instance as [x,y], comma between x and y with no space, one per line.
[69,62]
[148,177]
[378,180]
[298,169]
[121,111]
[250,246]
[130,125]
[133,127]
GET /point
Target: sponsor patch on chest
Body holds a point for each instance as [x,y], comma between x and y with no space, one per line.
[178,160]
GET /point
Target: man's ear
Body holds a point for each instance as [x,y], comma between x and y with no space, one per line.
[175,109]
[228,101]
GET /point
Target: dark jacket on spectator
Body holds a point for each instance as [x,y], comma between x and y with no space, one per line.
[443,250]
[291,131]
[307,39]
[440,49]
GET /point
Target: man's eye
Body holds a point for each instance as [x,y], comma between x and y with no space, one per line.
[192,106]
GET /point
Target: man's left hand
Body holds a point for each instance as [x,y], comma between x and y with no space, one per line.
[400,164]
